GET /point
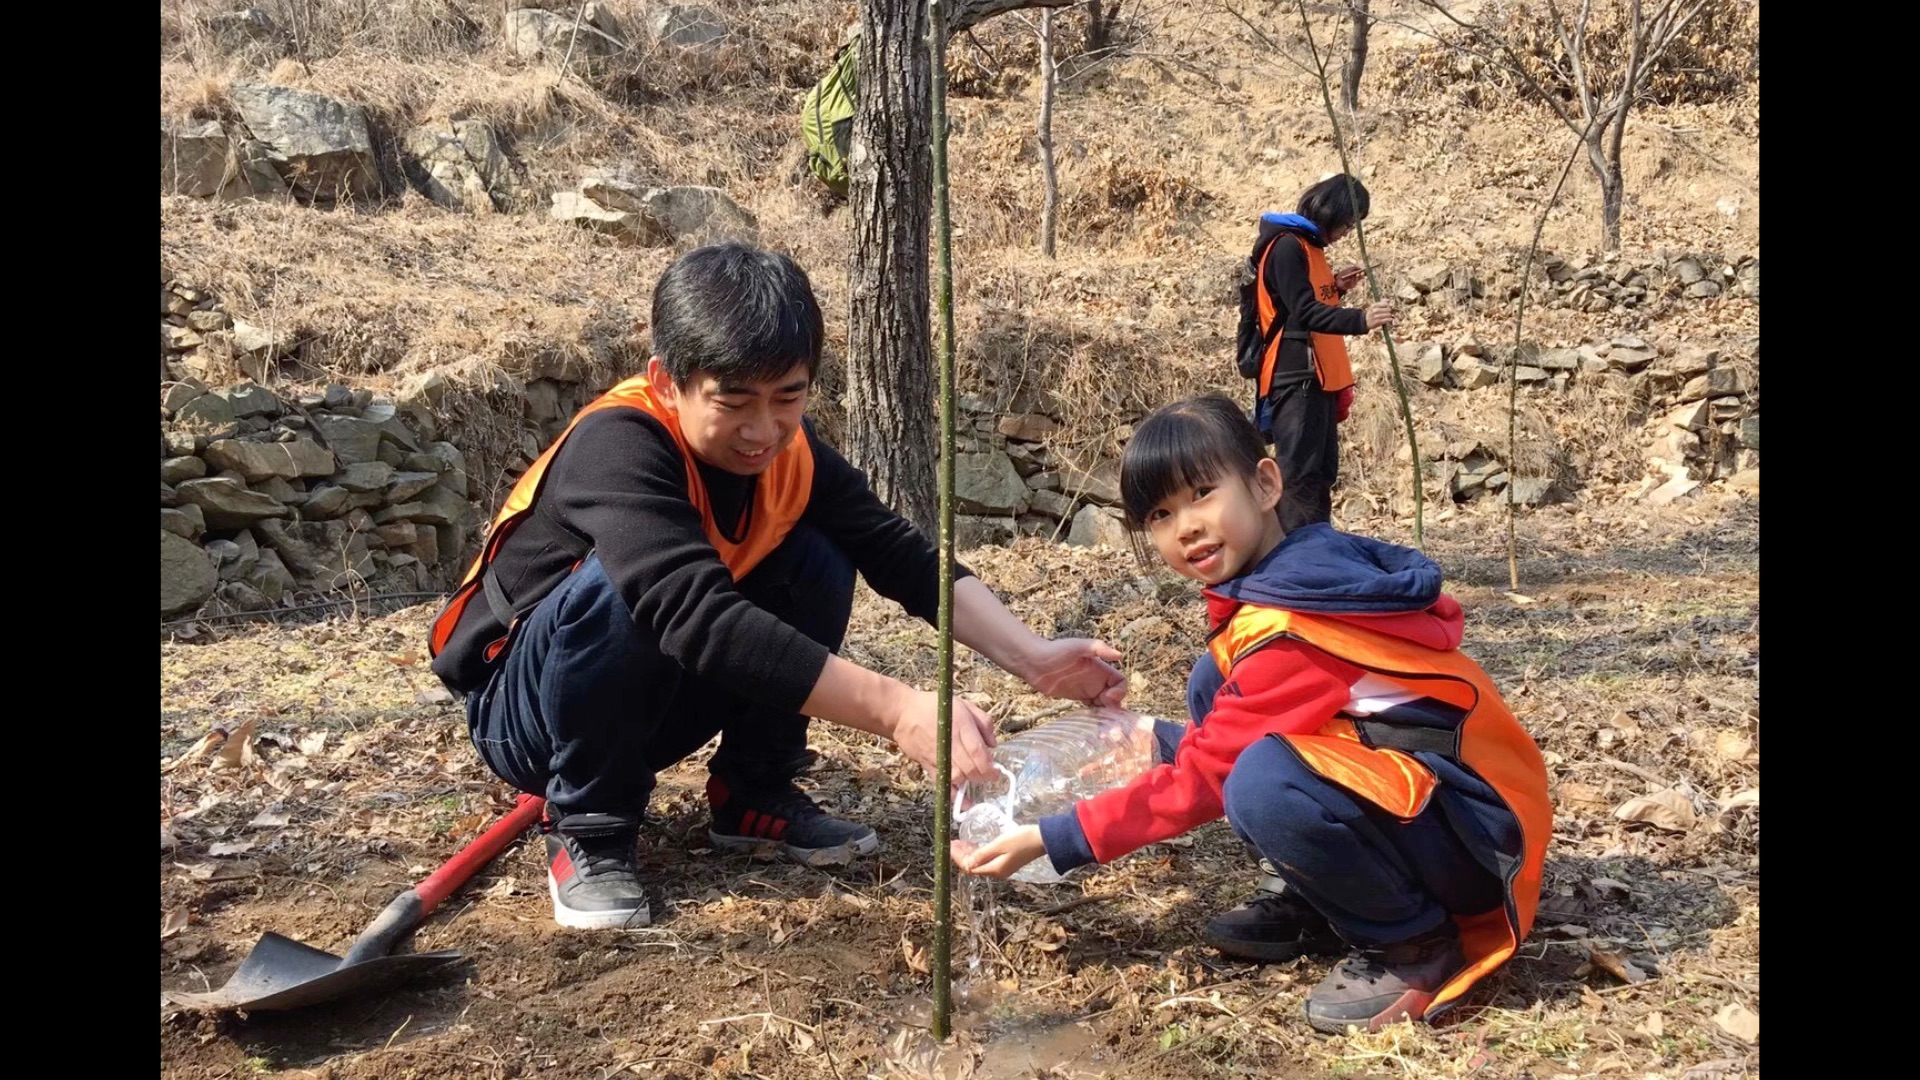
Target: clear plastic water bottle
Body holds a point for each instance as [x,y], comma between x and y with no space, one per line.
[1046,769]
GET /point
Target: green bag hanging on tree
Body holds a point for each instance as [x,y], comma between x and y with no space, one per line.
[826,119]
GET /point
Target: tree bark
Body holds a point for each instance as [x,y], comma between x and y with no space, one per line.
[890,431]
[1050,208]
[1356,56]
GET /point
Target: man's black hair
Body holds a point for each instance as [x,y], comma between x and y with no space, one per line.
[736,312]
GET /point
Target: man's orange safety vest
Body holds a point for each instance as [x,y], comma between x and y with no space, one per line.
[778,503]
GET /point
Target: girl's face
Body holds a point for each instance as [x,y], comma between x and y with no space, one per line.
[1217,530]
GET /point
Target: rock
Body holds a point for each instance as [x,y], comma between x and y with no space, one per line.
[1688,271]
[205,160]
[187,577]
[1746,481]
[1701,290]
[260,460]
[461,166]
[987,483]
[325,503]
[263,341]
[1747,280]
[336,397]
[250,400]
[1430,276]
[1407,294]
[193,158]
[1675,489]
[1048,480]
[544,36]
[1028,427]
[1027,458]
[390,454]
[168,496]
[318,144]
[353,440]
[1432,365]
[427,547]
[443,458]
[437,506]
[234,558]
[653,217]
[180,338]
[175,395]
[1527,373]
[1472,373]
[229,504]
[206,322]
[1693,416]
[1052,504]
[208,411]
[1531,490]
[365,476]
[1750,432]
[1096,526]
[188,521]
[175,469]
[1558,360]
[971,531]
[280,490]
[1630,354]
[406,485]
[1719,382]
[687,27]
[1100,483]
[322,552]
[400,534]
[270,576]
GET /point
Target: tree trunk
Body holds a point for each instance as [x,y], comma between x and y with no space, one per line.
[1356,56]
[1050,208]
[890,431]
[1100,18]
[1612,194]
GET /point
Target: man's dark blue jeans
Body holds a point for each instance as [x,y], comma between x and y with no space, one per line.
[585,708]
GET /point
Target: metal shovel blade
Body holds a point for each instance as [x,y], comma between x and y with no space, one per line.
[281,973]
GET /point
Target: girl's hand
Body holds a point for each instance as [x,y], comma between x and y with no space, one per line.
[1381,313]
[1348,276]
[1003,857]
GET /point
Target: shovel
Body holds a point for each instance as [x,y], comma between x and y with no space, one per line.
[281,973]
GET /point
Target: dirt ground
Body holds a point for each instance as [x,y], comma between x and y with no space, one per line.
[1631,650]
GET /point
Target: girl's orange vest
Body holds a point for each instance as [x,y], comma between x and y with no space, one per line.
[1488,741]
[779,502]
[1329,351]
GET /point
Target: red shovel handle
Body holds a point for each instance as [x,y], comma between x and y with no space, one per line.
[455,871]
[406,911]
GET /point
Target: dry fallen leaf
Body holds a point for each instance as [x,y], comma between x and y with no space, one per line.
[207,744]
[916,957]
[1667,809]
[237,751]
[273,817]
[1738,1021]
[1733,746]
[312,745]
[238,847]
[167,842]
[1617,966]
[1749,797]
[173,922]
[1518,598]
[1653,1027]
